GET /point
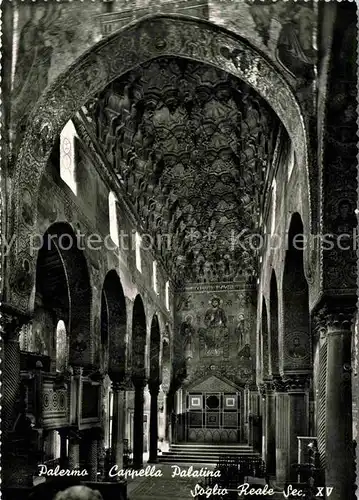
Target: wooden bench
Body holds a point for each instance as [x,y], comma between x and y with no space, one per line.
[234,472]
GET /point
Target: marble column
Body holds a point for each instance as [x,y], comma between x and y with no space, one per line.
[104,418]
[246,414]
[63,448]
[12,323]
[254,419]
[169,417]
[38,392]
[339,453]
[75,394]
[297,387]
[101,459]
[118,423]
[165,424]
[18,461]
[281,433]
[154,390]
[91,459]
[139,384]
[269,427]
[74,452]
[355,398]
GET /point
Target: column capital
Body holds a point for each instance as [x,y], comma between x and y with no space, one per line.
[77,371]
[12,321]
[124,384]
[261,389]
[165,387]
[154,387]
[332,318]
[74,435]
[139,382]
[279,385]
[95,433]
[96,376]
[296,382]
[268,386]
[64,432]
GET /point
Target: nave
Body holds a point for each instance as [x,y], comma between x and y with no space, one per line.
[182,283]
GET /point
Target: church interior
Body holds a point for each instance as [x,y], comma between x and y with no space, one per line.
[179,263]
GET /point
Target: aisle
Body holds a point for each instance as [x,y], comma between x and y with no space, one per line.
[165,487]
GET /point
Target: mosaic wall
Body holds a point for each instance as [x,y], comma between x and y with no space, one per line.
[215,335]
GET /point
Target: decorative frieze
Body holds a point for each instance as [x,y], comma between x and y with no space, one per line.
[242,285]
[289,382]
[54,407]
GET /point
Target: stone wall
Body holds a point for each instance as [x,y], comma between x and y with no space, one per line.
[46,38]
[355,395]
[282,201]
[88,214]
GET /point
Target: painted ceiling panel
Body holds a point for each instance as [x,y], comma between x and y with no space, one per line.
[191,145]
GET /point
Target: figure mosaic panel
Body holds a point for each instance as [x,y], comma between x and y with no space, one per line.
[214,335]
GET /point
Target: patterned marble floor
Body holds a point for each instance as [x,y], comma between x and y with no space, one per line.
[165,487]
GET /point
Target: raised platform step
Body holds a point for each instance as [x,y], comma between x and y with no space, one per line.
[211,445]
[203,448]
[205,453]
[187,459]
[209,454]
[232,449]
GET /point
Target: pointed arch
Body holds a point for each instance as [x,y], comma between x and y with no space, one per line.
[68,137]
[112,210]
[155,341]
[138,339]
[264,342]
[113,326]
[61,346]
[296,339]
[274,327]
[63,287]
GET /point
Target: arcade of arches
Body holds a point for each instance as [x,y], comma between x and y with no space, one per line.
[176,203]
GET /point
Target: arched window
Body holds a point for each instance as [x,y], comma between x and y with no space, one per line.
[154,276]
[25,337]
[61,347]
[167,295]
[274,205]
[291,161]
[138,251]
[67,156]
[110,416]
[15,44]
[112,209]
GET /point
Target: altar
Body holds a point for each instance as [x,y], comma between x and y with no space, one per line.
[214,412]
